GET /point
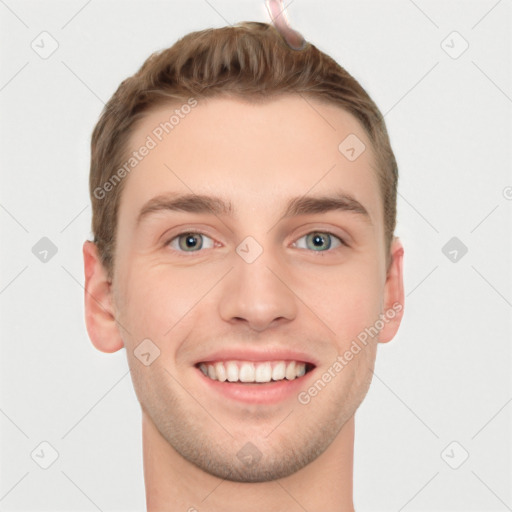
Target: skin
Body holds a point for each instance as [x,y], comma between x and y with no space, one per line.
[291,296]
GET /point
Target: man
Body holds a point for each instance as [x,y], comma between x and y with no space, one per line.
[244,204]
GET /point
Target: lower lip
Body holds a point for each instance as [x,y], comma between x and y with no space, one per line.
[266,393]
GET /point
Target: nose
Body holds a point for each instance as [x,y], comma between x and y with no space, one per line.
[258,294]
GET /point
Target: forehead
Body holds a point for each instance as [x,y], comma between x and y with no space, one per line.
[252,154]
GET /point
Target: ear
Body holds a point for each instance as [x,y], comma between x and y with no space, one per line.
[99,312]
[393,303]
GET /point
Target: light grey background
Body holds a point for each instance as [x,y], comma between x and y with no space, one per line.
[446,375]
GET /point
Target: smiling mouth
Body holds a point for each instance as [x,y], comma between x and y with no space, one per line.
[249,372]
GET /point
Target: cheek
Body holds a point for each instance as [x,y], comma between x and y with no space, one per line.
[143,309]
[159,299]
[347,298]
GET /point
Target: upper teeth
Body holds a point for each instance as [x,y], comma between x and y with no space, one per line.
[246,371]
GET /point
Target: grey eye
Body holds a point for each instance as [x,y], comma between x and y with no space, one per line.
[191,242]
[319,241]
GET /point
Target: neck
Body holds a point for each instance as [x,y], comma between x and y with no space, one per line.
[174,484]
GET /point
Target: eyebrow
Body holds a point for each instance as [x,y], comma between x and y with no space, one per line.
[302,205]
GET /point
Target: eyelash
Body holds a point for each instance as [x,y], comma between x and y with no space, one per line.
[185,253]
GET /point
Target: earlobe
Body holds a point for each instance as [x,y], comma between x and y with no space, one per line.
[393,304]
[99,312]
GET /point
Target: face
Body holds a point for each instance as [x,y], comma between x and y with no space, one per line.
[267,288]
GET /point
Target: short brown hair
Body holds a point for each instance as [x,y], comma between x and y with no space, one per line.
[251,61]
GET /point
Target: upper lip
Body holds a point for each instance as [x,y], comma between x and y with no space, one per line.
[269,354]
